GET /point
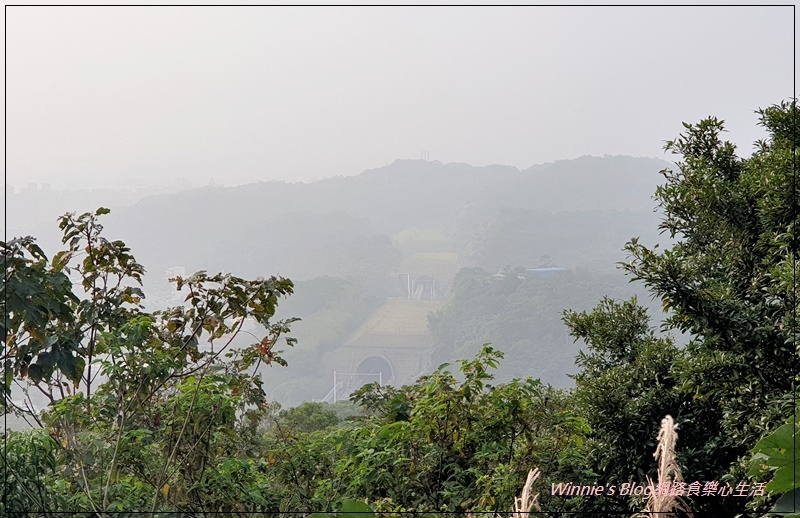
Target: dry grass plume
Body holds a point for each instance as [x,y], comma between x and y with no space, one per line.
[527,500]
[668,505]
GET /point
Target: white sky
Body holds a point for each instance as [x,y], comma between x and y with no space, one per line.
[129,96]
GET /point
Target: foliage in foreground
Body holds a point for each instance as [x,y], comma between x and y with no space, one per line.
[729,283]
[450,442]
[148,411]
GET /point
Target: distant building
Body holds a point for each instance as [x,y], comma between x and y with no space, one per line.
[544,272]
[393,346]
[532,273]
[428,275]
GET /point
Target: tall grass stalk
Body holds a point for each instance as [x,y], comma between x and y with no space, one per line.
[526,501]
[666,505]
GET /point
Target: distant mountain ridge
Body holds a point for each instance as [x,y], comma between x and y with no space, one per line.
[306,230]
[417,185]
[417,191]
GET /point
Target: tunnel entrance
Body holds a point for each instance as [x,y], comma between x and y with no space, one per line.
[375,365]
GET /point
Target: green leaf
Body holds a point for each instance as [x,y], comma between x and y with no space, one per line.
[35,373]
[777,451]
[788,503]
[61,259]
[355,506]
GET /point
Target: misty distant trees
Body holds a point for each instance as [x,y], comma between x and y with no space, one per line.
[521,314]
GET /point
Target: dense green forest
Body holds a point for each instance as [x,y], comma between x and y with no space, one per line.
[143,416]
[520,313]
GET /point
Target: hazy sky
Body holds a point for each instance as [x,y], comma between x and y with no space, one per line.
[125,96]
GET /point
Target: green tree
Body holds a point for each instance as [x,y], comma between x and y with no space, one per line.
[624,389]
[728,282]
[29,466]
[449,442]
[520,313]
[308,417]
[454,442]
[150,411]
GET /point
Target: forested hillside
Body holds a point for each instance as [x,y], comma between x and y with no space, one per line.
[335,226]
[520,313]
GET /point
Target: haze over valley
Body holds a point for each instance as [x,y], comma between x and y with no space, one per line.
[400,268]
